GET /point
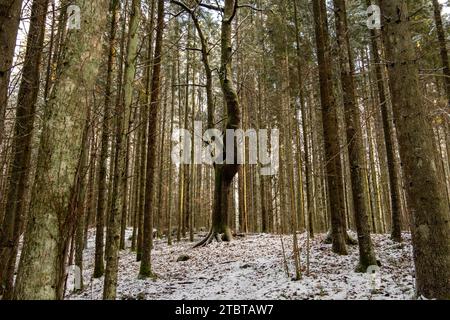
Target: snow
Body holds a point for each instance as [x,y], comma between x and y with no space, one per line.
[252,267]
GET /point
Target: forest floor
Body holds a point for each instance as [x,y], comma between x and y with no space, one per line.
[252,267]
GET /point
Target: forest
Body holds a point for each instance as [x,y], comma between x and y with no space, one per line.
[224,149]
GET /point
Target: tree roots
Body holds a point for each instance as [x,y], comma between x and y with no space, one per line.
[214,235]
[348,239]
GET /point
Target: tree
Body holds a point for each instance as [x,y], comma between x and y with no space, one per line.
[9,25]
[425,187]
[22,147]
[354,139]
[129,75]
[304,125]
[145,270]
[42,262]
[389,136]
[442,46]
[144,126]
[77,207]
[209,88]
[330,129]
[99,267]
[224,173]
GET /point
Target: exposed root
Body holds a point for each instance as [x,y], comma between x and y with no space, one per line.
[348,239]
[214,235]
[207,240]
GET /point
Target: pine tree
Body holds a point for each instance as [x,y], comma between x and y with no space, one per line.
[9,25]
[442,46]
[145,270]
[42,261]
[425,188]
[22,147]
[330,129]
[99,267]
[354,139]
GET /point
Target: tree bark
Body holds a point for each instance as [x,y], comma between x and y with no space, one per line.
[22,147]
[45,240]
[304,128]
[145,270]
[9,26]
[224,173]
[443,47]
[354,140]
[99,266]
[389,135]
[425,187]
[143,143]
[129,75]
[330,129]
[79,200]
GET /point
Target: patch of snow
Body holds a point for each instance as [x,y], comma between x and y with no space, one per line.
[252,268]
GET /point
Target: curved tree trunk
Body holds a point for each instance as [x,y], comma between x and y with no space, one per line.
[224,173]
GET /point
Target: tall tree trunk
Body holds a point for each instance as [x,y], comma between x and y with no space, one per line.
[330,129]
[160,195]
[142,167]
[224,173]
[170,196]
[91,194]
[442,46]
[136,178]
[9,25]
[145,270]
[304,126]
[191,189]
[144,125]
[209,83]
[129,75]
[117,215]
[79,205]
[264,215]
[22,147]
[186,178]
[99,267]
[44,251]
[354,140]
[425,187]
[389,135]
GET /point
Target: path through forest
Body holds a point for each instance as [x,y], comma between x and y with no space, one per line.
[252,267]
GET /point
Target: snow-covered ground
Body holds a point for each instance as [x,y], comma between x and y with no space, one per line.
[252,267]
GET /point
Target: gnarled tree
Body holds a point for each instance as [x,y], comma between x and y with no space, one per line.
[224,173]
